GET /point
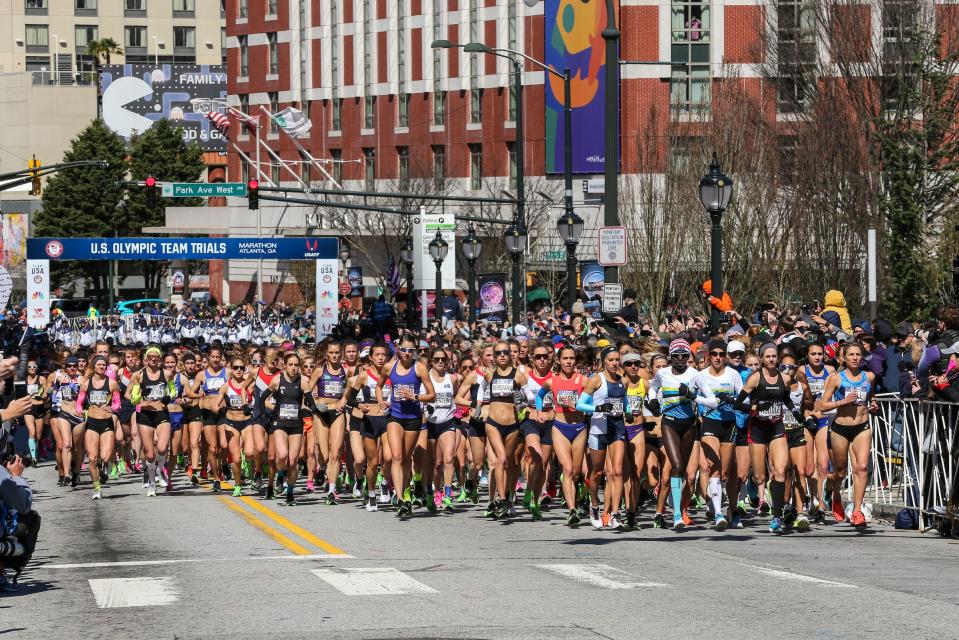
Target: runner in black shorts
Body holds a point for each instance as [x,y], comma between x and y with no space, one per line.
[150,388]
[285,401]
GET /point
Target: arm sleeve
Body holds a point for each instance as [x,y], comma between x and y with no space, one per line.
[540,397]
[115,404]
[706,397]
[585,403]
[135,395]
[741,404]
[81,397]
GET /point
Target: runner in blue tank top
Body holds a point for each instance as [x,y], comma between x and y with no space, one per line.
[411,385]
[329,421]
[813,377]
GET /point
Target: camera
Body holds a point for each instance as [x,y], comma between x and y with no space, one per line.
[8,455]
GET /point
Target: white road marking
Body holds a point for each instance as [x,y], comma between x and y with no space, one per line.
[153,563]
[798,577]
[112,593]
[599,575]
[371,582]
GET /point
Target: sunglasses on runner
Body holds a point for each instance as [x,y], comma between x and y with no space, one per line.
[737,354]
[502,352]
[541,356]
[631,363]
[680,356]
[407,350]
[256,363]
[788,367]
[718,354]
[439,359]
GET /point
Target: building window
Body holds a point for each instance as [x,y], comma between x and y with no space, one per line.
[335,123]
[401,45]
[511,25]
[244,105]
[403,117]
[37,37]
[273,54]
[787,149]
[223,44]
[512,101]
[36,7]
[245,171]
[83,35]
[336,157]
[85,7]
[135,37]
[184,38]
[511,151]
[795,54]
[244,57]
[274,109]
[403,167]
[272,7]
[476,167]
[439,166]
[690,21]
[275,173]
[369,112]
[242,9]
[476,106]
[900,33]
[690,85]
[183,8]
[474,37]
[135,5]
[369,169]
[679,154]
[439,107]
[306,167]
[367,43]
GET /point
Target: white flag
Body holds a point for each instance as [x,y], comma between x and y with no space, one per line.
[294,122]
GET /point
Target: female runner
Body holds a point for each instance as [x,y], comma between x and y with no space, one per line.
[150,388]
[207,385]
[635,460]
[407,378]
[442,434]
[101,396]
[284,397]
[67,419]
[813,375]
[372,418]
[502,426]
[849,391]
[36,389]
[329,421]
[796,439]
[538,427]
[235,396]
[255,440]
[474,395]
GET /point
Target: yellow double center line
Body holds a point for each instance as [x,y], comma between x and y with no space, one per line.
[275,533]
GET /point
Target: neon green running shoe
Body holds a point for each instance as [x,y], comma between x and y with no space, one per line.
[535,510]
[237,491]
[448,504]
[462,497]
[528,499]
[115,472]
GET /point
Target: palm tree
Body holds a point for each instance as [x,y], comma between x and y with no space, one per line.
[103,48]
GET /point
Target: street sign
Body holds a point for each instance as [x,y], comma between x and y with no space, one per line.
[203,189]
[612,246]
[612,298]
[345,288]
[425,226]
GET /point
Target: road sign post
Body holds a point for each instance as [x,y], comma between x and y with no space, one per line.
[203,189]
[612,246]
[612,297]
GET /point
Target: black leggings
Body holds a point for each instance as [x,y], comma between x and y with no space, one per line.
[678,436]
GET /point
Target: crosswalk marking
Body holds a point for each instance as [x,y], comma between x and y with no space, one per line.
[371,581]
[113,593]
[798,577]
[600,575]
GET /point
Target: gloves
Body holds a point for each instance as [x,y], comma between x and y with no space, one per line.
[811,423]
[726,398]
[604,408]
[247,410]
[686,392]
[654,407]
[764,405]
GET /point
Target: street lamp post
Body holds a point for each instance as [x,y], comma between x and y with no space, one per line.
[715,191]
[406,255]
[472,248]
[570,228]
[438,249]
[611,165]
[515,237]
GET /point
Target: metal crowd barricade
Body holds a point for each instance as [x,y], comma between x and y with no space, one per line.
[914,456]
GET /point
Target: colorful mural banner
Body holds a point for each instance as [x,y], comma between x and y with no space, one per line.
[593,278]
[354,275]
[492,296]
[574,41]
[15,227]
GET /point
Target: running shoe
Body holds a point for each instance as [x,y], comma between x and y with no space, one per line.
[332,498]
[437,497]
[405,511]
[490,511]
[594,518]
[775,525]
[764,508]
[511,510]
[546,501]
[536,511]
[802,522]
[659,522]
[96,494]
[430,504]
[290,500]
[474,495]
[721,523]
[741,508]
[257,482]
[216,486]
[310,487]
[614,522]
[384,497]
[698,503]
[371,504]
[269,493]
[115,472]
[687,520]
[483,480]
[837,511]
[736,523]
[195,479]
[237,491]
[146,480]
[752,492]
[462,497]
[789,517]
[74,479]
[447,504]
[357,489]
[679,524]
[62,481]
[503,510]
[161,478]
[630,520]
[124,469]
[247,466]
[814,508]
[857,519]
[527,499]
[152,491]
[572,520]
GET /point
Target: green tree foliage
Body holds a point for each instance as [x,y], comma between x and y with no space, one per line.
[83,201]
[162,153]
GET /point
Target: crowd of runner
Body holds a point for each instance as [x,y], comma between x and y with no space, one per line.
[766,418]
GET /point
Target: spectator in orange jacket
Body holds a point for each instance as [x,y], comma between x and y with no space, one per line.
[724,304]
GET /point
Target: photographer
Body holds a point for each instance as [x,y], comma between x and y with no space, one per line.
[19,524]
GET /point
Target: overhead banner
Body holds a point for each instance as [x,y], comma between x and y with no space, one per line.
[425,227]
[326,296]
[574,41]
[38,293]
[181,248]
[593,278]
[492,296]
[135,96]
[354,275]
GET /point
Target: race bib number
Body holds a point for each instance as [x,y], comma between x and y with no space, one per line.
[387,393]
[862,394]
[289,411]
[502,387]
[98,397]
[402,389]
[156,393]
[548,402]
[333,388]
[616,405]
[635,404]
[443,400]
[774,412]
[32,389]
[214,384]
[816,387]
[235,401]
[567,398]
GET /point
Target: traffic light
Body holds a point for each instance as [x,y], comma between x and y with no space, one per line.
[151,185]
[253,194]
[36,187]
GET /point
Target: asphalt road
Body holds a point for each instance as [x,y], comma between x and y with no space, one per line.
[192,564]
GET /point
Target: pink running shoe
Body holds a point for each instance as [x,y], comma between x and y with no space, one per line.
[310,488]
[437,498]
